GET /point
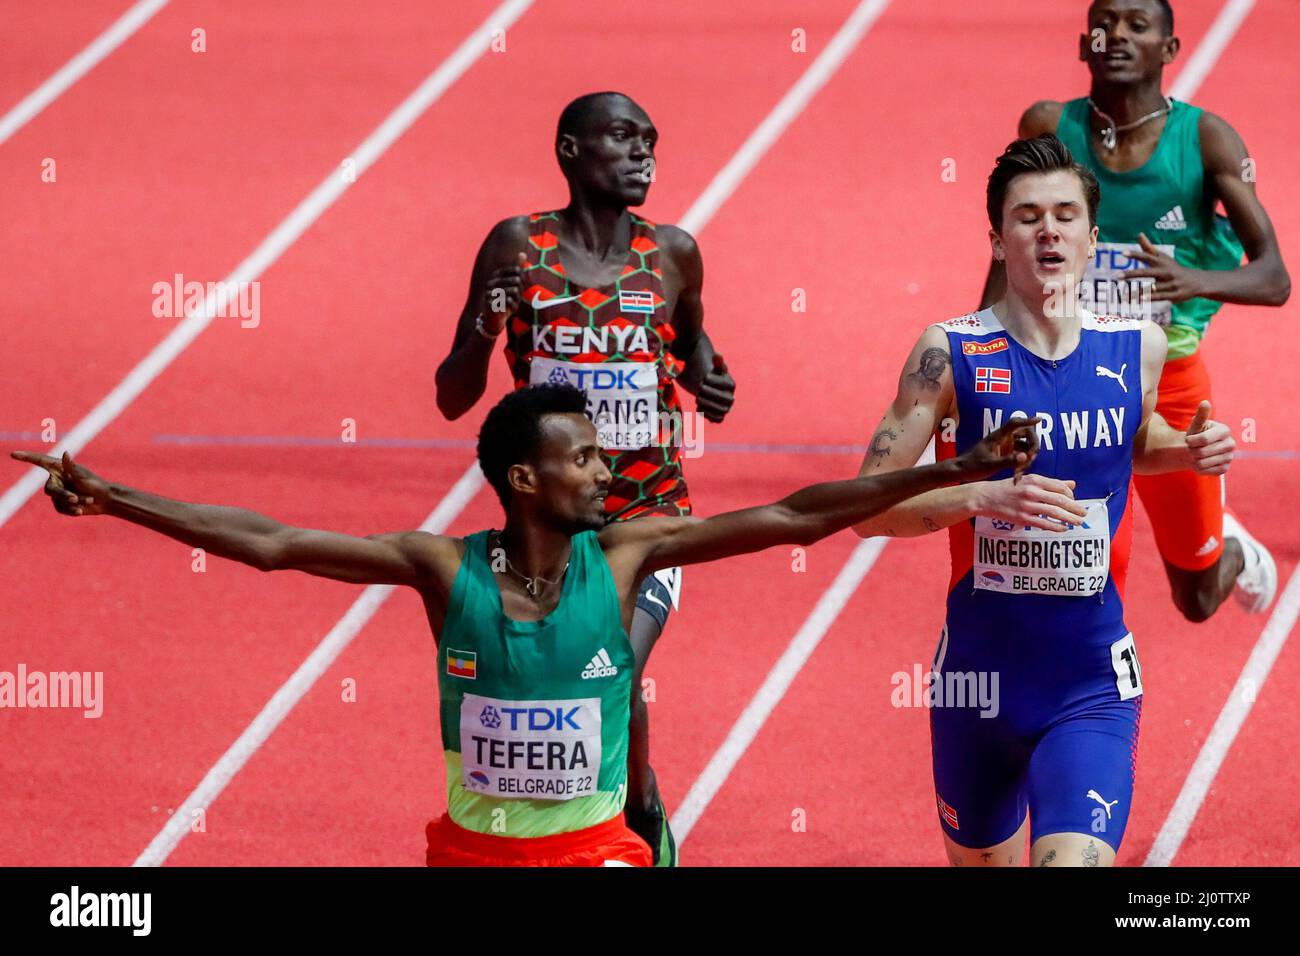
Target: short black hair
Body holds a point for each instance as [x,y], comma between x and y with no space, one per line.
[1168,11]
[512,431]
[576,117]
[1042,154]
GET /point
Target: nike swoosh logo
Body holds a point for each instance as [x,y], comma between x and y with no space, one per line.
[547,303]
[649,596]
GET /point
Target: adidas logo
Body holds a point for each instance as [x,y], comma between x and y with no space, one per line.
[1172,220]
[1207,547]
[600,666]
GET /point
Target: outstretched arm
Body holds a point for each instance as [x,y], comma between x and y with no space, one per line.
[406,558]
[809,514]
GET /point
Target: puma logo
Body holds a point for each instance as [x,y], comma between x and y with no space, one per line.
[1094,795]
[1107,373]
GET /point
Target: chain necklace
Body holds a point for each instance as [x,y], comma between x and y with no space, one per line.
[530,584]
[1110,133]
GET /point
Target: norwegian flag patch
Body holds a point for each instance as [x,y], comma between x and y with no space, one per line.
[948,813]
[993,380]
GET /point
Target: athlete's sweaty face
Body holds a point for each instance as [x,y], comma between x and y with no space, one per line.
[1126,41]
[572,479]
[615,153]
[1046,239]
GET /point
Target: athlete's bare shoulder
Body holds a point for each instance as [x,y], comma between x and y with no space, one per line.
[680,263]
[1042,117]
[1222,147]
[677,245]
[641,532]
[437,554]
[508,236]
[1155,344]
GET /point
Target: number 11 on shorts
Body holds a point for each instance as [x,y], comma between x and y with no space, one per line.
[1128,672]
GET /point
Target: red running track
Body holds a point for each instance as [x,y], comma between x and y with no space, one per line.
[199,156]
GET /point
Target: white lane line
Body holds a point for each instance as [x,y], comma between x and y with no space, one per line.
[745,729]
[296,687]
[783,114]
[1231,717]
[775,685]
[271,248]
[700,212]
[1210,48]
[81,64]
[1234,713]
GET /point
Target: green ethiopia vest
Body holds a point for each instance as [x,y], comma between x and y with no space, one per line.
[1166,199]
[535,714]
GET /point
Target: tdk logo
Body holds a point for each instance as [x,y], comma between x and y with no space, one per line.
[601,379]
[541,718]
[490,718]
[558,377]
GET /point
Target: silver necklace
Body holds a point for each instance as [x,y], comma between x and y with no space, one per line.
[1110,134]
[530,584]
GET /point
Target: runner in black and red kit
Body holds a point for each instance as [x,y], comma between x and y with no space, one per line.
[598,297]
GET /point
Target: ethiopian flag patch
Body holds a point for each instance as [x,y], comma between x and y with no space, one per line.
[462,663]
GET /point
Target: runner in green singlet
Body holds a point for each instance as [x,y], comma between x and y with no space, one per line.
[531,622]
[1164,253]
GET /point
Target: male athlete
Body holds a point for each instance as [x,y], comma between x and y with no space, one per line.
[1038,564]
[535,664]
[1163,167]
[599,297]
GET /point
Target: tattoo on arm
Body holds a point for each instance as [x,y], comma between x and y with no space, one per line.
[987,856]
[1048,857]
[930,369]
[880,442]
[1091,855]
[930,524]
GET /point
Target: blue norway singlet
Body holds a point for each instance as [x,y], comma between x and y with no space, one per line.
[1048,601]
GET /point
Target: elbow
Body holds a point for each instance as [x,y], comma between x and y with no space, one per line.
[1283,292]
[268,554]
[449,404]
[452,402]
[449,411]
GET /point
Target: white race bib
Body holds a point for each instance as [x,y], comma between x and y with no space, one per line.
[1128,672]
[1105,291]
[1016,559]
[622,397]
[530,749]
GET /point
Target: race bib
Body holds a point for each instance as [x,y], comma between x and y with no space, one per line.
[1105,291]
[622,397]
[1128,672]
[530,749]
[1016,559]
